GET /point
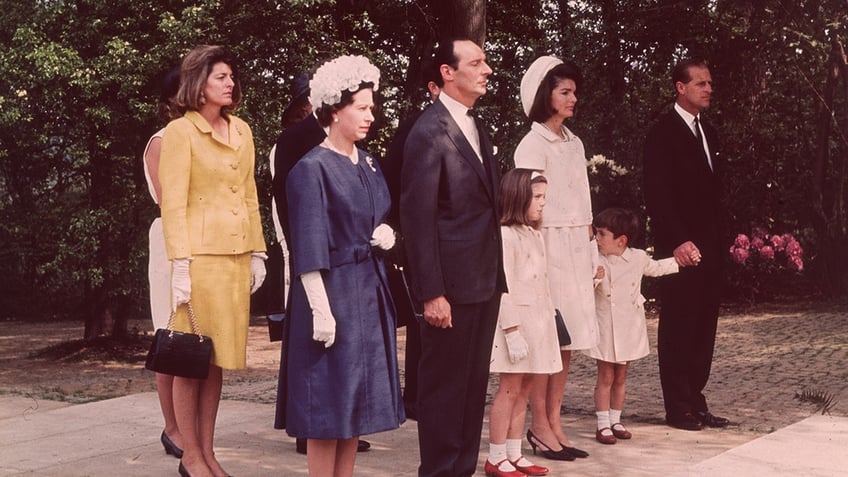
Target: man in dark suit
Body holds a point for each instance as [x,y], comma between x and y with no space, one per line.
[448,214]
[682,195]
[392,165]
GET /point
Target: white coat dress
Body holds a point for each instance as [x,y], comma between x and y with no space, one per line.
[620,304]
[528,305]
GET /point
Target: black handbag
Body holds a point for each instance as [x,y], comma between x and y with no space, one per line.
[180,354]
[562,331]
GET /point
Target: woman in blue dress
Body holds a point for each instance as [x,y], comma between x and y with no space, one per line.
[342,360]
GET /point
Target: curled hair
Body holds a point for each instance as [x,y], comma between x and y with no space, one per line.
[194,72]
[542,109]
[619,222]
[516,193]
[324,114]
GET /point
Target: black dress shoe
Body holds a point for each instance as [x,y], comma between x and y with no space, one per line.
[545,450]
[709,420]
[300,445]
[686,421]
[170,447]
[575,451]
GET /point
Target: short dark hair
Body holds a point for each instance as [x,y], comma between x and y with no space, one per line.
[680,72]
[445,55]
[619,222]
[324,114]
[169,84]
[195,69]
[516,192]
[542,109]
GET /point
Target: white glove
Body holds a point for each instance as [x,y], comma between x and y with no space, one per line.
[323,323]
[257,270]
[383,237]
[517,346]
[180,282]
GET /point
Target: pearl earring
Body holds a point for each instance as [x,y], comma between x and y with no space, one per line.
[335,120]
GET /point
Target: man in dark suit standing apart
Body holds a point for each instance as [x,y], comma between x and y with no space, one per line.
[682,195]
[449,218]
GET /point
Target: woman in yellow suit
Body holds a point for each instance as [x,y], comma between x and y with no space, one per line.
[213,236]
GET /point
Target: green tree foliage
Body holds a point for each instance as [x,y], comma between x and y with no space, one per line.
[78,101]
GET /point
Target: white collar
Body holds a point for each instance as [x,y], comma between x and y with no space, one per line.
[551,136]
[686,115]
[454,107]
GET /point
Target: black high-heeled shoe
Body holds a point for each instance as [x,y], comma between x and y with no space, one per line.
[575,451]
[182,470]
[170,447]
[545,449]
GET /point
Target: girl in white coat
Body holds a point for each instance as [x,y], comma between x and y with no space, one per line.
[525,348]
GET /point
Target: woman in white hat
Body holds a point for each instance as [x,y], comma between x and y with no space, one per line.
[548,96]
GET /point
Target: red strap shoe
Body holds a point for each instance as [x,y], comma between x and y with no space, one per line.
[493,470]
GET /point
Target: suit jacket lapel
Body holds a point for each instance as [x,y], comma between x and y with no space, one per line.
[692,141]
[464,147]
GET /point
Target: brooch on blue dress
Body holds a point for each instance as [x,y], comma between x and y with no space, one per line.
[370,163]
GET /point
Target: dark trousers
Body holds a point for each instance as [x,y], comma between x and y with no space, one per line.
[452,381]
[686,337]
[411,356]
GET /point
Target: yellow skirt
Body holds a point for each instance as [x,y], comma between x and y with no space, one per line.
[220,296]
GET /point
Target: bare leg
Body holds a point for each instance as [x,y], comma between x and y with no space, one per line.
[606,373]
[186,407]
[539,423]
[331,457]
[165,389]
[619,387]
[500,415]
[553,400]
[346,457]
[210,398]
[519,408]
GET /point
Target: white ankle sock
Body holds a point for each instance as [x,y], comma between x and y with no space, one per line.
[513,449]
[615,416]
[603,419]
[497,453]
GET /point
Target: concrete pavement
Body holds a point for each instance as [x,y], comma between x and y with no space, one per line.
[121,437]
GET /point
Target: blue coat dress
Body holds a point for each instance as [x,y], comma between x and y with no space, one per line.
[351,388]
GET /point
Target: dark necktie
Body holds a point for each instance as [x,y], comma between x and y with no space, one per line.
[698,133]
[701,142]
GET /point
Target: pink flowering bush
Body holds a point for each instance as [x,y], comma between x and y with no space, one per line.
[766,247]
[761,257]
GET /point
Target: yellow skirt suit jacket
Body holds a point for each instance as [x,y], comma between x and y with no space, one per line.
[210,213]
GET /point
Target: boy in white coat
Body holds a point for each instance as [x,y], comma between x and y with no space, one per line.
[621,314]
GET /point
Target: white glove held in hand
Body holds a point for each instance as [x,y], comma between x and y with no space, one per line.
[517,346]
[180,282]
[257,271]
[323,323]
[383,237]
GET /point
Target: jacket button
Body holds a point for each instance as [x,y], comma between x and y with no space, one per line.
[234,189]
[235,211]
[234,165]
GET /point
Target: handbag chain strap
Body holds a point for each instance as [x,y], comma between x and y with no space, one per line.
[195,328]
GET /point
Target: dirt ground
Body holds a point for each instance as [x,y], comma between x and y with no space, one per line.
[764,356]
